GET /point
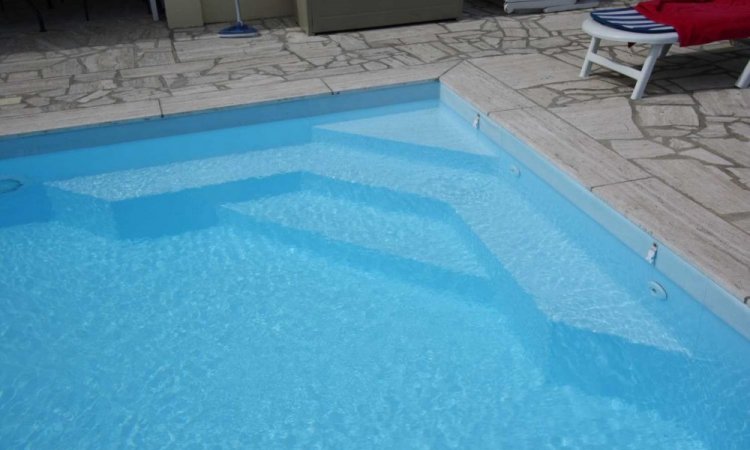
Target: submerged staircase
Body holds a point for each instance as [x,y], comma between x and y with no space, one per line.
[370,194]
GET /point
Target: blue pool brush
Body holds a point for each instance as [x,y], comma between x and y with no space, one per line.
[239,29]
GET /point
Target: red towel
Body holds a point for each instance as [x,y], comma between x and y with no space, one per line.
[701,21]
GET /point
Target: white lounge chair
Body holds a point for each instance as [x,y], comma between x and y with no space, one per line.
[660,42]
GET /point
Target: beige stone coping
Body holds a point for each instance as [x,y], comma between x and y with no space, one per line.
[237,97]
[79,117]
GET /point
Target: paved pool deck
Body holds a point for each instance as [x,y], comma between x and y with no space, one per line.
[677,162]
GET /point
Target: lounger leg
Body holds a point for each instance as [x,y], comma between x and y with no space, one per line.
[665,50]
[593,48]
[648,67]
[744,80]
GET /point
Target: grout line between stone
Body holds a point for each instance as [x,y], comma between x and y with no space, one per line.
[471,61]
[457,63]
[327,86]
[593,188]
[516,108]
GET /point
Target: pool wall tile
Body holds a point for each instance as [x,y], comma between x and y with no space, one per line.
[460,106]
[679,271]
[727,307]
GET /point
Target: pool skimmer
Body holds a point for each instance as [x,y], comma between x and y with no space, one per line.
[657,290]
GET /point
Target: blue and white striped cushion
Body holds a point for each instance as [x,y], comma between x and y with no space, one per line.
[629,19]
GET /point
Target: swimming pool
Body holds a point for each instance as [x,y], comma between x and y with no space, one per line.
[354,272]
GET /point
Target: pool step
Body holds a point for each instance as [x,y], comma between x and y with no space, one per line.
[573,286]
[424,155]
[99,203]
[411,238]
[387,222]
[438,128]
[664,382]
[24,204]
[341,157]
[425,275]
[165,214]
[182,196]
[502,221]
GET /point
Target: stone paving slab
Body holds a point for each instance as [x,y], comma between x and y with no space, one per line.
[640,148]
[167,69]
[666,115]
[34,86]
[327,73]
[29,65]
[726,102]
[375,79]
[527,70]
[609,118]
[716,191]
[732,148]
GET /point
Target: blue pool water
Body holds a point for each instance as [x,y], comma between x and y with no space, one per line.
[365,279]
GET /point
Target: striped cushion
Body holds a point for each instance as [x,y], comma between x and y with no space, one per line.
[629,19]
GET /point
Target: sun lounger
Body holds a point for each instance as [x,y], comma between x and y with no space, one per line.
[629,26]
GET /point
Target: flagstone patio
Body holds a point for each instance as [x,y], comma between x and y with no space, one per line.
[686,143]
